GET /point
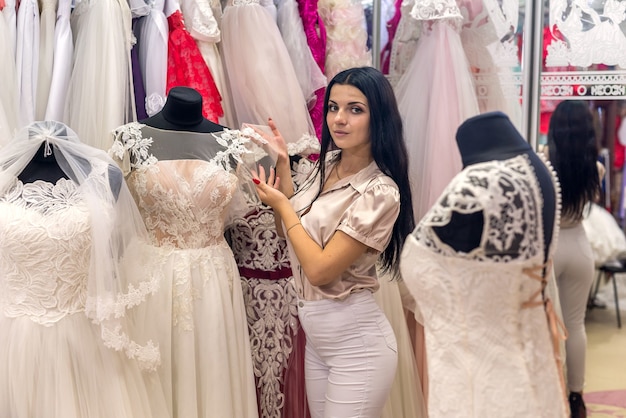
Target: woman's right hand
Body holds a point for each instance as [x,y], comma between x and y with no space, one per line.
[275,145]
[268,189]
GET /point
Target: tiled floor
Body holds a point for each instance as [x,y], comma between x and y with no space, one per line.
[605,385]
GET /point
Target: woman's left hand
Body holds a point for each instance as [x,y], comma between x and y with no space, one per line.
[267,189]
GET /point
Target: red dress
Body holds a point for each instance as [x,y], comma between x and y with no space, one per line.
[186,67]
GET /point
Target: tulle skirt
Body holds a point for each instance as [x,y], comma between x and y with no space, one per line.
[100,98]
[200,319]
[435,95]
[262,80]
[406,399]
[65,371]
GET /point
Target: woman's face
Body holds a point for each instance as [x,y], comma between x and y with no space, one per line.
[348,118]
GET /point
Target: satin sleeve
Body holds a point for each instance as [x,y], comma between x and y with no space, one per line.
[370,218]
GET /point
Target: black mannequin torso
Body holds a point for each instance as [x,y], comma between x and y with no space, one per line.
[43,166]
[182,112]
[488,137]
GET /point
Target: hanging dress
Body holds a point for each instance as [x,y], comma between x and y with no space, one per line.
[185,187]
[262,79]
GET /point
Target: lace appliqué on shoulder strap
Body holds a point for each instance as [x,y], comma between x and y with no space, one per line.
[508,195]
[130,148]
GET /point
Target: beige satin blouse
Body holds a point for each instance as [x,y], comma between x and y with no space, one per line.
[364,206]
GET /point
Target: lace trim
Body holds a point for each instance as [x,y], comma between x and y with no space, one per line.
[129,141]
[148,356]
[435,9]
[306,145]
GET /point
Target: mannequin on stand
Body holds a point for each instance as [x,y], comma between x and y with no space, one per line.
[182,112]
[44,166]
[482,282]
[464,231]
[183,172]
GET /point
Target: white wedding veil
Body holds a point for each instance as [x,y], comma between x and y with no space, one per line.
[117,278]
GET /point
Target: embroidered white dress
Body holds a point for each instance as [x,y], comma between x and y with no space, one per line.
[490,350]
[53,361]
[199,311]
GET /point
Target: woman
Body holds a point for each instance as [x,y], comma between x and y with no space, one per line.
[354,209]
[573,153]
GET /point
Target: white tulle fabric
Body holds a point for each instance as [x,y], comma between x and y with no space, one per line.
[100,95]
[485,337]
[198,313]
[9,13]
[435,95]
[248,53]
[67,284]
[310,77]
[46,56]
[27,58]
[62,62]
[9,116]
[406,398]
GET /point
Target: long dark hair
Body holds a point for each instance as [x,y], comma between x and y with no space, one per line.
[387,145]
[573,153]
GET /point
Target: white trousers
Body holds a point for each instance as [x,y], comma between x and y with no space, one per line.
[573,268]
[351,356]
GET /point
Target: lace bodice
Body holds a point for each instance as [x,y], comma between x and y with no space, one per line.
[51,221]
[485,324]
[184,202]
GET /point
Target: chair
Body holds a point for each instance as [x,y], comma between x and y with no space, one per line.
[608,271]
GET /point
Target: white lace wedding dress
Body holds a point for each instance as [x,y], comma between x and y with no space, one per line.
[199,312]
[490,352]
[53,361]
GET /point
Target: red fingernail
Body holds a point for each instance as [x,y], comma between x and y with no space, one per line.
[256,181]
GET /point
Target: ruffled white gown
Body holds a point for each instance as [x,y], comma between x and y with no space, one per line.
[262,79]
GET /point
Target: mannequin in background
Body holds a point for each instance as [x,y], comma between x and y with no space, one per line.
[182,171]
[476,266]
[573,151]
